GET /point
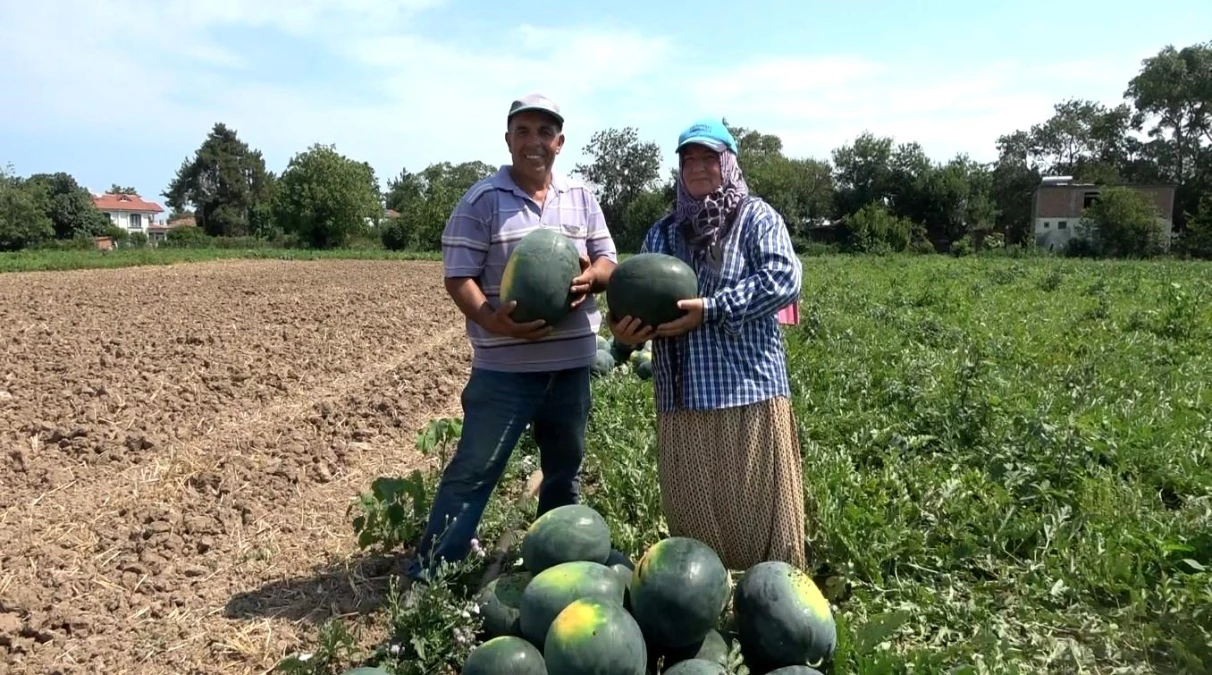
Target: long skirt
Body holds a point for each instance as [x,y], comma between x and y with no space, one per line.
[732,478]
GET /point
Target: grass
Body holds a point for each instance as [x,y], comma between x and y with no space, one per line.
[76,259]
[1008,467]
[1016,456]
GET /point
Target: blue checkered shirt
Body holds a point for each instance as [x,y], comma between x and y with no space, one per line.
[737,357]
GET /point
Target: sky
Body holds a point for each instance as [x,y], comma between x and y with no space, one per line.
[124,91]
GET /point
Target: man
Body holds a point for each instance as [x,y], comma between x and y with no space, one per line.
[522,373]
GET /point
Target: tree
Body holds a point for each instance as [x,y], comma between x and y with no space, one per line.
[862,173]
[227,184]
[324,197]
[800,189]
[116,189]
[426,199]
[1172,95]
[23,219]
[69,206]
[622,167]
[1012,183]
[1122,223]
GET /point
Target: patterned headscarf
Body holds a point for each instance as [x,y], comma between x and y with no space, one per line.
[706,221]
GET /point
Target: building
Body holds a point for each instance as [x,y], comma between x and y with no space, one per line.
[1058,204]
[158,232]
[128,212]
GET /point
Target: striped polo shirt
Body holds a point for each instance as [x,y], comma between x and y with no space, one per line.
[486,225]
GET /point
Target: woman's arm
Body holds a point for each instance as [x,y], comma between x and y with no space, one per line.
[775,282]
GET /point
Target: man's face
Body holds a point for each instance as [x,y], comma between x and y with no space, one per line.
[534,139]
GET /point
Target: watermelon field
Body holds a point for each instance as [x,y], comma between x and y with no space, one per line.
[218,467]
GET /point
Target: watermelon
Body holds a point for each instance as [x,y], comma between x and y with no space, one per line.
[556,587]
[782,617]
[678,591]
[713,648]
[505,656]
[603,363]
[696,667]
[648,287]
[622,352]
[595,636]
[565,534]
[499,603]
[622,565]
[795,670]
[643,365]
[366,670]
[603,343]
[538,275]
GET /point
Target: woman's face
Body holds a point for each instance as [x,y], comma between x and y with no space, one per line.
[700,170]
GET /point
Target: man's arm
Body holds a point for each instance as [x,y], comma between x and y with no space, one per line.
[465,241]
[599,244]
[469,299]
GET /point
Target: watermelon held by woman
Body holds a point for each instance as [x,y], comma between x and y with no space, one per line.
[505,656]
[538,275]
[648,287]
[595,636]
[782,617]
[573,532]
[678,591]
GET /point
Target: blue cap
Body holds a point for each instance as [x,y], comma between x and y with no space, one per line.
[709,132]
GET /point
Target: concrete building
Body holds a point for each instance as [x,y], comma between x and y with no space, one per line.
[1058,204]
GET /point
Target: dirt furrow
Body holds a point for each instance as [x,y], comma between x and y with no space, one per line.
[214,553]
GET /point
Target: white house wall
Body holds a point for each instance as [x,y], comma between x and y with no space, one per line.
[1054,234]
[123,220]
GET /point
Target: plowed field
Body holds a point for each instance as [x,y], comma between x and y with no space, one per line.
[180,445]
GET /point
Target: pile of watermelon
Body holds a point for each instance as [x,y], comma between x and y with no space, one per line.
[613,354]
[576,605]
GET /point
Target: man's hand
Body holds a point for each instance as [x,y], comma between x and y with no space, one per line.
[500,323]
[693,319]
[583,282]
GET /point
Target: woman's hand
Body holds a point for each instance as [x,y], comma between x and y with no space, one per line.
[628,330]
[693,319]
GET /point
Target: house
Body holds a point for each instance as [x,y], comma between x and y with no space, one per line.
[1058,204]
[128,212]
[388,214]
[157,232]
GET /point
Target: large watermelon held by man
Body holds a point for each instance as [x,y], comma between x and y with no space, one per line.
[538,276]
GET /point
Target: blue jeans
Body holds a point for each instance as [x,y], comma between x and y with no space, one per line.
[497,406]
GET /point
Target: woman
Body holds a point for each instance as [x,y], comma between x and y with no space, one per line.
[729,461]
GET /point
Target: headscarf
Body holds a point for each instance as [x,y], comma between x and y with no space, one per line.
[708,220]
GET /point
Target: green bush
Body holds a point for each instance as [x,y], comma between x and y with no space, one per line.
[874,229]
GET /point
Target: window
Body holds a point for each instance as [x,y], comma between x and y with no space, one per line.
[1062,224]
[136,221]
[1088,199]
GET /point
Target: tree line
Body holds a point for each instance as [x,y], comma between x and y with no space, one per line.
[873,193]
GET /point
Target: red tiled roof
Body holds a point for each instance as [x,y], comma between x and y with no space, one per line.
[108,202]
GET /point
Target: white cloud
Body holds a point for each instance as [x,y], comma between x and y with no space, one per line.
[817,104]
[165,71]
